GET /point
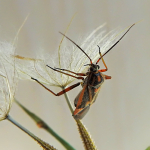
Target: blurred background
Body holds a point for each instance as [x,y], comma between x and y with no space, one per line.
[120,118]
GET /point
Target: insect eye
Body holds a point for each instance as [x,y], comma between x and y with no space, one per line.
[98,66]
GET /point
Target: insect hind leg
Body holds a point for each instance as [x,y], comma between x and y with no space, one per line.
[61,92]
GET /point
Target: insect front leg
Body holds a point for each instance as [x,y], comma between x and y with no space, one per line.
[78,74]
[65,73]
[61,92]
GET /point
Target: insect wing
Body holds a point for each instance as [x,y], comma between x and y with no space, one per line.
[96,91]
[80,113]
[84,100]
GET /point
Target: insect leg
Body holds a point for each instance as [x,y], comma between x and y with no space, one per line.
[66,73]
[61,92]
[78,74]
[107,77]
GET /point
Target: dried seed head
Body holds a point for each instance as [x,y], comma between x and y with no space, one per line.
[68,57]
[44,145]
[85,136]
[8,79]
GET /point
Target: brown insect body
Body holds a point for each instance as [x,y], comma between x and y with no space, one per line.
[91,87]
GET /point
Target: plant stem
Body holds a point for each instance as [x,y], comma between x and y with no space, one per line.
[43,144]
[20,127]
[44,125]
[68,101]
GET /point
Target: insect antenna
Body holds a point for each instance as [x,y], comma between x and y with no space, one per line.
[77,46]
[115,43]
[99,50]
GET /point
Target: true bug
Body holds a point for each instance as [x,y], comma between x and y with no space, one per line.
[90,85]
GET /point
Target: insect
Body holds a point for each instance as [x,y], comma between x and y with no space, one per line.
[91,84]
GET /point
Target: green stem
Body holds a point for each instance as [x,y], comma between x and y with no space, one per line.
[68,101]
[148,148]
[44,125]
[43,144]
[61,140]
[21,127]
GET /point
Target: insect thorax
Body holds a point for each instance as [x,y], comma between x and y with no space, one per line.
[94,79]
